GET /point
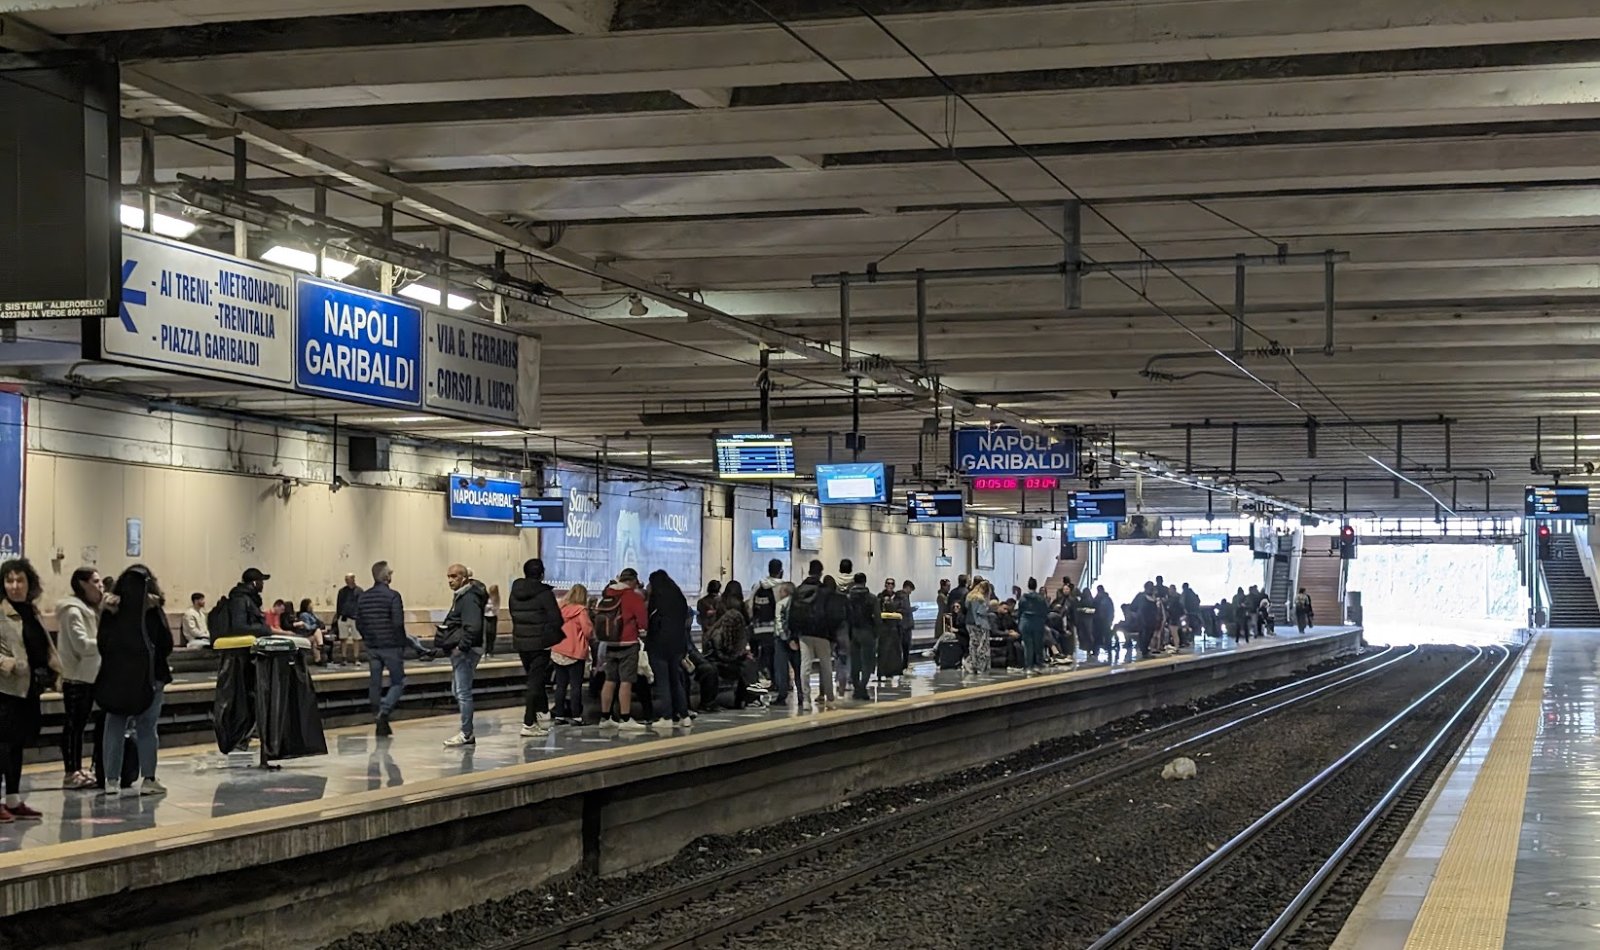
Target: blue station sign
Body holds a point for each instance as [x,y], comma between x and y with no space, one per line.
[979,451]
[355,345]
[493,500]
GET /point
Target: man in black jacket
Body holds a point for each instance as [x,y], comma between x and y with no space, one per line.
[863,622]
[461,635]
[381,616]
[535,629]
[244,605]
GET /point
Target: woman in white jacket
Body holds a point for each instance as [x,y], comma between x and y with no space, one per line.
[77,623]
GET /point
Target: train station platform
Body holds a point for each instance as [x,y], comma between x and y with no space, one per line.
[1506,852]
[385,830]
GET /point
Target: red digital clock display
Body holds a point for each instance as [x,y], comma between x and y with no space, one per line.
[1013,483]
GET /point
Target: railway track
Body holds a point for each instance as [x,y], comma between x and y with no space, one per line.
[1183,912]
[1103,765]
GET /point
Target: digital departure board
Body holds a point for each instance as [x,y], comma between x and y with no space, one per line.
[1091,531]
[1558,502]
[755,455]
[1108,505]
[1016,483]
[542,513]
[1209,543]
[935,506]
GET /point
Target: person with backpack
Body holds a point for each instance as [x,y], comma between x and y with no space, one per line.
[727,644]
[808,621]
[763,624]
[864,620]
[1303,614]
[537,625]
[460,635]
[619,619]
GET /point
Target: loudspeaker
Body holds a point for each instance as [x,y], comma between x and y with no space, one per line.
[368,453]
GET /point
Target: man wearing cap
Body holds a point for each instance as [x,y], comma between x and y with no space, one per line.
[244,605]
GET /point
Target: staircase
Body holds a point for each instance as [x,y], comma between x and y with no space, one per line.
[1322,575]
[1572,602]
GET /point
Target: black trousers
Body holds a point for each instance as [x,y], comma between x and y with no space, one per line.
[77,702]
[536,664]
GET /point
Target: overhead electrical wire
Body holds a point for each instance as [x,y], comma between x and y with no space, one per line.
[1073,193]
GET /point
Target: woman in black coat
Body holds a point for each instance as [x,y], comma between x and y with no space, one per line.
[667,644]
[134,642]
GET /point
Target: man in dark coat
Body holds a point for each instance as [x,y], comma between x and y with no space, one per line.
[535,628]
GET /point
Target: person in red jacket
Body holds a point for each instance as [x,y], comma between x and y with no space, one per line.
[621,611]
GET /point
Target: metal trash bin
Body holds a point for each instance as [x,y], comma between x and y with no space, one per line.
[286,701]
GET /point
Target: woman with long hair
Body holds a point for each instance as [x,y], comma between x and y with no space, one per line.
[667,644]
[577,630]
[28,666]
[980,625]
[134,645]
[727,643]
[77,624]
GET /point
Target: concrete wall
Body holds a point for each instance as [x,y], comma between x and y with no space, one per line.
[214,496]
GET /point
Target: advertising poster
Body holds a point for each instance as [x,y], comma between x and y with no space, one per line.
[13,436]
[810,518]
[623,521]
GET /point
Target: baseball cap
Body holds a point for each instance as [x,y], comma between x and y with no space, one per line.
[254,574]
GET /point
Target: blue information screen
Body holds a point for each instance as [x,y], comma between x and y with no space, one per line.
[488,499]
[769,539]
[356,345]
[1209,543]
[1557,502]
[809,517]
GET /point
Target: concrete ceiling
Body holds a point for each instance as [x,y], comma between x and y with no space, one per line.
[1448,146]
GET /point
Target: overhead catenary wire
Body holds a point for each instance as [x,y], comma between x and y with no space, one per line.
[1075,195]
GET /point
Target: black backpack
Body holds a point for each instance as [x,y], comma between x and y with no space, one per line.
[608,619]
[763,605]
[217,619]
[863,609]
[807,615]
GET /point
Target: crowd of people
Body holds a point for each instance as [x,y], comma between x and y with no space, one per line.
[631,647]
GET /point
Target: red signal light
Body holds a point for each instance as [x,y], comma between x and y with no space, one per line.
[1347,532]
[1544,531]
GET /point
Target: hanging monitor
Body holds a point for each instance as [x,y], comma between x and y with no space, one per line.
[1097,505]
[546,513]
[1091,531]
[763,540]
[755,455]
[853,483]
[935,507]
[1558,502]
[1209,543]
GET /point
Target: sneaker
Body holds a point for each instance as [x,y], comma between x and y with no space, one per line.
[152,787]
[459,739]
[107,792]
[561,721]
[633,725]
[609,725]
[383,726]
[686,722]
[6,817]
[535,730]
[78,780]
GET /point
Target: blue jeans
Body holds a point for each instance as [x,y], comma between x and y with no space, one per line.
[144,736]
[393,660]
[463,666]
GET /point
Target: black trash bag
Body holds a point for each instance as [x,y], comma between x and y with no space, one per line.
[292,724]
[233,710]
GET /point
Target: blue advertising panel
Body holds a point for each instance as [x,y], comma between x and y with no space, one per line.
[488,499]
[809,518]
[620,522]
[980,450]
[13,436]
[355,345]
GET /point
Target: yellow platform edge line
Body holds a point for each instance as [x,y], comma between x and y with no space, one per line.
[1467,902]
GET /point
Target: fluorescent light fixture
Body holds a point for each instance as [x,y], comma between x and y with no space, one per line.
[431,295]
[490,434]
[165,224]
[305,260]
